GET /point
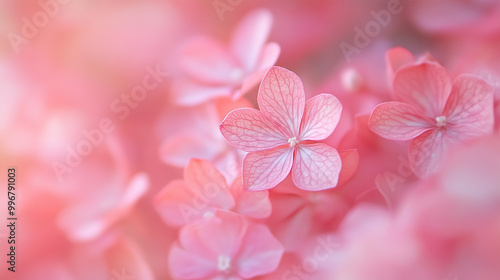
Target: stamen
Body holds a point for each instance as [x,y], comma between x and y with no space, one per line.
[293,141]
[224,263]
[441,121]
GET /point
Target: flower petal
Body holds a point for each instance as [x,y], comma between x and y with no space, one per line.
[396,58]
[186,92]
[249,130]
[398,121]
[426,87]
[261,252]
[350,163]
[282,98]
[321,116]
[220,234]
[173,203]
[269,55]
[206,60]
[316,167]
[188,265]
[469,109]
[264,170]
[250,36]
[427,150]
[250,204]
[201,177]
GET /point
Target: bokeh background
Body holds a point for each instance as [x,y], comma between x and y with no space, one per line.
[90,160]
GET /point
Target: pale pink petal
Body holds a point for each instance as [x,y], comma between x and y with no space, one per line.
[426,87]
[398,121]
[261,252]
[189,93]
[179,150]
[427,150]
[350,162]
[250,36]
[282,98]
[316,167]
[396,58]
[321,116]
[469,110]
[207,61]
[250,204]
[219,235]
[269,55]
[250,130]
[264,170]
[174,203]
[185,264]
[208,183]
[268,58]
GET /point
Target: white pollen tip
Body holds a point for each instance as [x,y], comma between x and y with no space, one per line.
[293,141]
[441,121]
[224,263]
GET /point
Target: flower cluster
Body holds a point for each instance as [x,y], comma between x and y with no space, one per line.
[230,140]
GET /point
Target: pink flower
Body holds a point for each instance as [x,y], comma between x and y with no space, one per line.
[202,192]
[276,136]
[225,246]
[210,70]
[435,112]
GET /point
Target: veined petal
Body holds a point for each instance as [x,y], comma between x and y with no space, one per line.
[249,130]
[398,121]
[282,98]
[264,170]
[469,110]
[427,150]
[426,87]
[321,116]
[316,167]
[250,36]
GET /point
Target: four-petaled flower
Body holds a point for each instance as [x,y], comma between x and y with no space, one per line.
[276,137]
[435,112]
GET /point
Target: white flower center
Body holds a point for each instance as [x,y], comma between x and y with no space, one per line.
[441,121]
[293,141]
[224,263]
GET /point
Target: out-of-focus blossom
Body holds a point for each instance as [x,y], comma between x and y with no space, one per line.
[224,246]
[274,135]
[434,111]
[203,191]
[210,70]
[197,135]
